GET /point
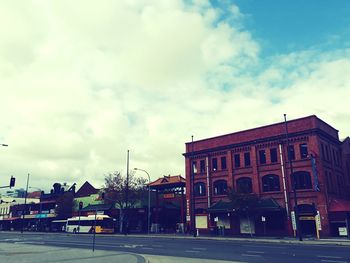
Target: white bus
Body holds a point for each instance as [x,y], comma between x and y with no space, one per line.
[85,224]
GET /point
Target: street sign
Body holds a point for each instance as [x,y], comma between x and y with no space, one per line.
[318,221]
[263,219]
[294,222]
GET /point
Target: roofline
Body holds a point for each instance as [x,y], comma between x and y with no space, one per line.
[260,127]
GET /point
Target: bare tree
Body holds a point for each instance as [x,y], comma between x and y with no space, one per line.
[115,193]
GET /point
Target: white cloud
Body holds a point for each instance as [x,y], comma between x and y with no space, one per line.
[82,82]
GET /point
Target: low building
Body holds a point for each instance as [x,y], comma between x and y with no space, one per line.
[255,163]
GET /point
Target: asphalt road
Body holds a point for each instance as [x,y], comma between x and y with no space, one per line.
[228,250]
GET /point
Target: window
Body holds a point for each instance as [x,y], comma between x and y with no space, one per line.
[202,166]
[214,163]
[273,155]
[194,167]
[199,189]
[335,161]
[262,156]
[223,163]
[220,187]
[303,150]
[244,185]
[271,182]
[291,152]
[302,180]
[246,159]
[237,160]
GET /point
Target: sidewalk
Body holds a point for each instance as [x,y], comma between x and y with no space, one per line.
[289,240]
[25,253]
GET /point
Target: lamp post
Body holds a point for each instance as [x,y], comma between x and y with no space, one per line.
[149,199]
[293,182]
[3,144]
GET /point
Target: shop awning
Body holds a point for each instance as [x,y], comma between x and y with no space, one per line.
[97,207]
[10,218]
[339,205]
[266,204]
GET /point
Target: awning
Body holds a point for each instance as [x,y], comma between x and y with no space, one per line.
[97,207]
[339,205]
[266,204]
[10,218]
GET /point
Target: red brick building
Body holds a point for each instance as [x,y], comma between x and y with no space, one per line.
[255,161]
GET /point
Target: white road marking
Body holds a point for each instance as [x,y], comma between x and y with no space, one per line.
[192,251]
[256,252]
[30,242]
[248,255]
[199,248]
[263,246]
[334,261]
[328,257]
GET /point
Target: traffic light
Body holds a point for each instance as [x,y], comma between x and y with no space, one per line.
[12,181]
[80,205]
[103,195]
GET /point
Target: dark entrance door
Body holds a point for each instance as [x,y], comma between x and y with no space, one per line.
[308,227]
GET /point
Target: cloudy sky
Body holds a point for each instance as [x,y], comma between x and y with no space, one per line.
[83,81]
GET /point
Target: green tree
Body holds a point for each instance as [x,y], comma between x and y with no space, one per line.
[115,193]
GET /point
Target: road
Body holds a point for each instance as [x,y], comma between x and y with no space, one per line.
[228,250]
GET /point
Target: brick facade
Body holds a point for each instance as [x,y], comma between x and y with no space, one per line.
[231,152]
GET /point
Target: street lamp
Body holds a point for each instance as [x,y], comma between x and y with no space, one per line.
[3,144]
[293,181]
[149,198]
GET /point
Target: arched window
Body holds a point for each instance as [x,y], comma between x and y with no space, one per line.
[302,180]
[199,189]
[271,182]
[220,187]
[244,185]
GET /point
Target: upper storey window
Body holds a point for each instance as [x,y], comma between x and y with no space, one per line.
[237,160]
[214,164]
[302,180]
[202,166]
[262,156]
[273,155]
[303,151]
[244,185]
[247,159]
[220,187]
[291,152]
[199,189]
[271,182]
[223,163]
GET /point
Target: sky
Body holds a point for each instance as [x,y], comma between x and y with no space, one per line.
[83,82]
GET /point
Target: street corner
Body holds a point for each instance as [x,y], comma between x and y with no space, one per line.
[26,253]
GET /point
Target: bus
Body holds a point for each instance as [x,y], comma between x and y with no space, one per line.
[58,225]
[85,224]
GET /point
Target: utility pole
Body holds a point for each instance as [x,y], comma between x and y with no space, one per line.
[126,196]
[25,204]
[293,183]
[192,191]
